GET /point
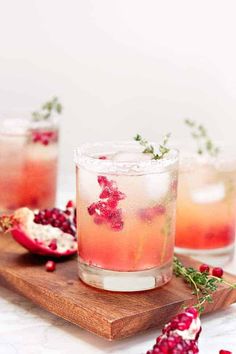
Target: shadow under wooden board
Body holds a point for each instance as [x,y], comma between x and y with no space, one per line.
[109,315]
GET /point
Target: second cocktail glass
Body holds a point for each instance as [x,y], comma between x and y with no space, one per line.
[126,216]
[28,161]
[206,207]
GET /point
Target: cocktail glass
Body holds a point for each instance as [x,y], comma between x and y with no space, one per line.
[28,162]
[206,207]
[126,206]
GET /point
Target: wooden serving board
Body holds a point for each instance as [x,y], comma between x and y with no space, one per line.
[107,314]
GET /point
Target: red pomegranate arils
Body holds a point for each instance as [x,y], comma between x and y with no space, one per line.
[105,193]
[49,232]
[171,341]
[102,158]
[148,214]
[217,272]
[204,268]
[70,204]
[105,210]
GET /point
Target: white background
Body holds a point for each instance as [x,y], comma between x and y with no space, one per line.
[121,67]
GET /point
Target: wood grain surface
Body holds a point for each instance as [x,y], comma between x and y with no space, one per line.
[107,314]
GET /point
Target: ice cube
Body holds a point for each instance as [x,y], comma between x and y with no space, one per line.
[124,156]
[89,188]
[157,185]
[209,194]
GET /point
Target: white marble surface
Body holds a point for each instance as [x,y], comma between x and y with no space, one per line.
[27,329]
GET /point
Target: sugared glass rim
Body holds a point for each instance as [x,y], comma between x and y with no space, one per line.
[20,124]
[225,160]
[84,158]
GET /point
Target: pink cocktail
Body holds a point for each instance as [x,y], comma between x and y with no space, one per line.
[126,216]
[28,162]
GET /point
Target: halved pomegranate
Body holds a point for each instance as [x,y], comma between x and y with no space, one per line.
[180,335]
[48,232]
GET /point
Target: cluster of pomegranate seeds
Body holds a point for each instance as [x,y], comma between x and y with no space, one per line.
[174,344]
[171,341]
[106,209]
[62,219]
[50,266]
[148,214]
[44,137]
[216,272]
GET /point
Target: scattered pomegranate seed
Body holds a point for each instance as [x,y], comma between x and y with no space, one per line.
[222,351]
[102,158]
[217,272]
[50,266]
[204,268]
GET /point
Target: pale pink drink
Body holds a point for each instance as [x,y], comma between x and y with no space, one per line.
[28,162]
[126,216]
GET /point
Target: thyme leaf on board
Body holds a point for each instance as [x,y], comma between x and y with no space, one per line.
[203,284]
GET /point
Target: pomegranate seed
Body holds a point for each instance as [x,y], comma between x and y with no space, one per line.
[112,203]
[70,204]
[45,141]
[102,181]
[217,272]
[147,214]
[102,158]
[192,311]
[53,245]
[117,225]
[50,266]
[204,268]
[67,212]
[105,193]
[118,195]
[222,351]
[98,220]
[61,218]
[92,209]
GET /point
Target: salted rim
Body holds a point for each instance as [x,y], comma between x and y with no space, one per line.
[83,158]
[13,126]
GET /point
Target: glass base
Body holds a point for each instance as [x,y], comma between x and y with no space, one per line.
[215,257]
[125,281]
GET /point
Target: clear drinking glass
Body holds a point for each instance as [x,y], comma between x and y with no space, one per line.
[28,162]
[126,206]
[206,207]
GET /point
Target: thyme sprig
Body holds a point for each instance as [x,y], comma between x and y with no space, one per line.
[149,148]
[200,134]
[202,284]
[47,109]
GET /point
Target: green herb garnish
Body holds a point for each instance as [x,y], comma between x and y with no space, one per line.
[47,109]
[149,149]
[199,133]
[202,284]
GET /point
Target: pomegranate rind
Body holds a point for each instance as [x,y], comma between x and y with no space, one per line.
[20,231]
